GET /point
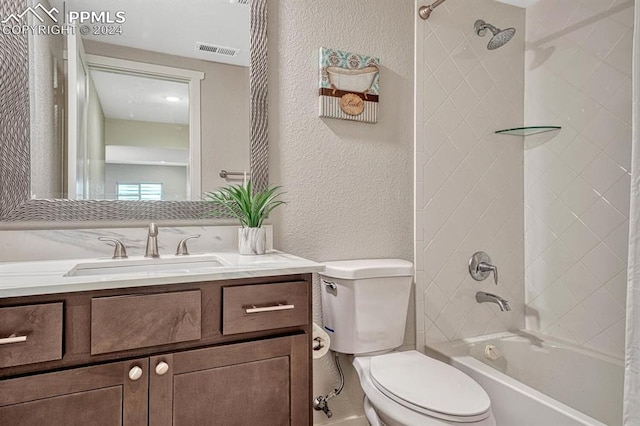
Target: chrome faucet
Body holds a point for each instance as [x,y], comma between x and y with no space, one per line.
[480,267]
[152,242]
[482,297]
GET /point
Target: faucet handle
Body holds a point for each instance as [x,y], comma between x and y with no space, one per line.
[119,250]
[480,267]
[182,245]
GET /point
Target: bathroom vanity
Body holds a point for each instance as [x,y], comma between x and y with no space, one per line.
[227,344]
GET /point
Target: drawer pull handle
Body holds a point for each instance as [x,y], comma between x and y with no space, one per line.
[135,373]
[162,368]
[254,310]
[13,339]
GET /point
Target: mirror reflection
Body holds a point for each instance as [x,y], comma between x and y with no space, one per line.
[152,110]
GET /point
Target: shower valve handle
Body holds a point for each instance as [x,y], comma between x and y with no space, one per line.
[480,267]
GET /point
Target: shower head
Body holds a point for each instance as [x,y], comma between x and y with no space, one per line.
[500,37]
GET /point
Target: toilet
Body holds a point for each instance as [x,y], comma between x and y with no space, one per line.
[364,305]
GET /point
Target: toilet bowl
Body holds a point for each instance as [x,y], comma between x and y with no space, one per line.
[365,305]
[411,389]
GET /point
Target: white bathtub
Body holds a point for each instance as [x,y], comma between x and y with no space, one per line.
[540,381]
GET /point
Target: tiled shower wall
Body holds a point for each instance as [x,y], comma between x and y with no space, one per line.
[469,181]
[578,76]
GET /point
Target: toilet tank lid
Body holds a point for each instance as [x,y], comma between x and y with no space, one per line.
[367,268]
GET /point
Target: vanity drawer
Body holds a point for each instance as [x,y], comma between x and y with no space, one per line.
[30,334]
[136,321]
[264,307]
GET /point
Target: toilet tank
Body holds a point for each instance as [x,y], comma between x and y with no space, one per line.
[365,302]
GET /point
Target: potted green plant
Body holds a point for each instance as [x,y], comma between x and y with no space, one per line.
[251,207]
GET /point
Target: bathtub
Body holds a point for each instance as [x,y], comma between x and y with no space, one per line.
[536,380]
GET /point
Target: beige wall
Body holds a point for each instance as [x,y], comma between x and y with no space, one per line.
[469,181]
[146,134]
[224,108]
[578,76]
[349,185]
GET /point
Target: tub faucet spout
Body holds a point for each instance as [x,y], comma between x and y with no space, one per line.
[482,297]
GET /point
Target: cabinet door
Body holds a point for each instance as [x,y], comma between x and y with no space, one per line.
[101,395]
[252,383]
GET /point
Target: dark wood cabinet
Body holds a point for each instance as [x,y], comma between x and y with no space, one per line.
[102,395]
[150,375]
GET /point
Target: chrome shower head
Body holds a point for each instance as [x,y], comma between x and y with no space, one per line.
[500,37]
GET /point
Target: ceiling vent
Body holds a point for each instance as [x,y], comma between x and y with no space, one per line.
[217,50]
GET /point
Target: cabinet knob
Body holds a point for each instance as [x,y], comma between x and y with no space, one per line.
[162,368]
[135,373]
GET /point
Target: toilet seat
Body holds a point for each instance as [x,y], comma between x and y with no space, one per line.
[430,387]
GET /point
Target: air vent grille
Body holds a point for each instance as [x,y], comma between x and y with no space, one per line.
[218,50]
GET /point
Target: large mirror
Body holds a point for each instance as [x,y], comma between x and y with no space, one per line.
[129,110]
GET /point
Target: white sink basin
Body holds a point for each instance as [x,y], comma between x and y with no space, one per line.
[184,264]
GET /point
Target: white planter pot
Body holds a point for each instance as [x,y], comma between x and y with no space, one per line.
[252,241]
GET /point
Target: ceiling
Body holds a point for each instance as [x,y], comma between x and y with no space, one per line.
[132,97]
[174,26]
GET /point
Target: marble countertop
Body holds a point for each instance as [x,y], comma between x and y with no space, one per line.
[53,276]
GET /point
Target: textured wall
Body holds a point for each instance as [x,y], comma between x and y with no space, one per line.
[578,76]
[469,189]
[349,185]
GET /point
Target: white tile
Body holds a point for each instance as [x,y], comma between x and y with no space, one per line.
[559,330]
[449,33]
[602,173]
[617,287]
[603,263]
[581,67]
[579,322]
[618,241]
[448,117]
[619,149]
[578,108]
[464,139]
[479,80]
[557,177]
[604,343]
[603,308]
[434,53]
[600,128]
[579,196]
[448,76]
[606,35]
[433,95]
[619,57]
[538,238]
[619,102]
[579,154]
[434,301]
[464,58]
[580,281]
[603,83]
[579,239]
[539,316]
[480,121]
[464,99]
[617,332]
[434,178]
[558,217]
[434,136]
[602,218]
[580,25]
[559,257]
[622,12]
[558,298]
[447,158]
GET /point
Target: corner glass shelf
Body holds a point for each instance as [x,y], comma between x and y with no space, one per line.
[527,131]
